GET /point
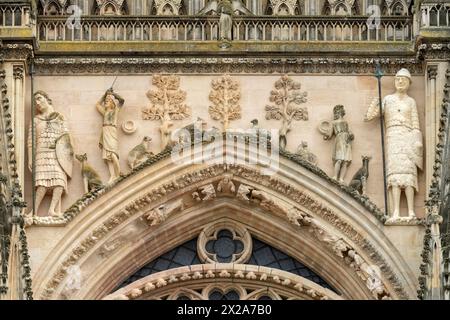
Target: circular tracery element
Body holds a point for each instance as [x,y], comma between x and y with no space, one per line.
[224,243]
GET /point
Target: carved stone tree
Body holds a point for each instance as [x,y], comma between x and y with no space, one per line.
[287,99]
[225,96]
[167,104]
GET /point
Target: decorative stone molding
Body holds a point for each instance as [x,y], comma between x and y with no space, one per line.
[432,72]
[210,234]
[110,7]
[208,192]
[18,72]
[227,277]
[160,214]
[433,51]
[225,96]
[283,7]
[437,209]
[16,51]
[314,65]
[302,199]
[404,221]
[129,127]
[168,7]
[14,243]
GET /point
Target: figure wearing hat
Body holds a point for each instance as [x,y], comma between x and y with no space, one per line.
[404,148]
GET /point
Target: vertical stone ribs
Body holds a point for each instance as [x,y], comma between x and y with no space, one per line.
[435,260]
[15,279]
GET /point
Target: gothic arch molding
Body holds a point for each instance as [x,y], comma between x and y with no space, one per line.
[292,186]
[237,277]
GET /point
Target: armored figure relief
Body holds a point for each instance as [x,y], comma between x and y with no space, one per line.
[404,148]
[140,153]
[91,179]
[342,152]
[109,142]
[53,153]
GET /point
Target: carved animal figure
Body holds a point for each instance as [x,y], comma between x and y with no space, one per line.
[359,180]
[161,213]
[298,218]
[140,153]
[91,178]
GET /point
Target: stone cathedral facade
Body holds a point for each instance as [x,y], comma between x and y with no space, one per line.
[224,149]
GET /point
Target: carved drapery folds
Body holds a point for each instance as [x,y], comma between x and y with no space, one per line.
[225,96]
[167,104]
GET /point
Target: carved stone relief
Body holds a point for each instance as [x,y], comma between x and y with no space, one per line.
[186,180]
[161,213]
[404,146]
[167,104]
[109,107]
[208,192]
[359,180]
[140,153]
[283,7]
[225,96]
[168,7]
[304,152]
[54,153]
[91,179]
[287,98]
[209,238]
[342,151]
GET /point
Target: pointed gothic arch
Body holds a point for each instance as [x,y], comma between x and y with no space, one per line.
[164,204]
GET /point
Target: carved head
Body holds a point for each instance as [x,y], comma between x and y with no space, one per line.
[109,100]
[338,111]
[81,157]
[42,102]
[146,139]
[402,80]
[366,158]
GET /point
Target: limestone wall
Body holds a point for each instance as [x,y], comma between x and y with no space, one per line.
[75,97]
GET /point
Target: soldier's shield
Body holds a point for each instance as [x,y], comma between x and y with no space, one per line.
[64,154]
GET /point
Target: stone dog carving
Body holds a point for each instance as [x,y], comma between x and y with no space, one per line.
[140,153]
[91,179]
[161,213]
[359,180]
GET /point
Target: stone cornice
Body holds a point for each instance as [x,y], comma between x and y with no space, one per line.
[16,51]
[434,51]
[219,65]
